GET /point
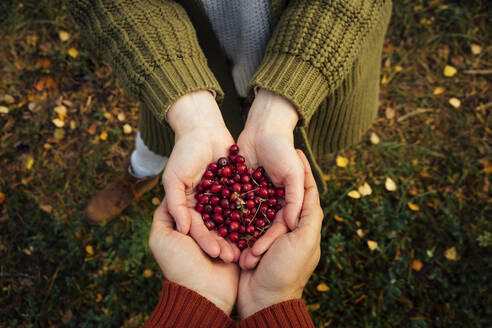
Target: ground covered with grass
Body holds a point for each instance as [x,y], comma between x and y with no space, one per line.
[407,235]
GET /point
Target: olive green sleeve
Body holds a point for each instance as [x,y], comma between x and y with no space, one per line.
[150,44]
[314,46]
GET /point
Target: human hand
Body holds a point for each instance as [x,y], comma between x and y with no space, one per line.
[201,137]
[286,267]
[267,140]
[183,262]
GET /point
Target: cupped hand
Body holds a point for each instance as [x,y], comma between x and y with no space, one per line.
[201,137]
[285,268]
[267,140]
[183,262]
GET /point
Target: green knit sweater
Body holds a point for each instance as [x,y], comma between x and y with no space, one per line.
[321,54]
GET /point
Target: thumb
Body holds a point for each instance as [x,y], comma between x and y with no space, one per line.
[176,202]
[294,192]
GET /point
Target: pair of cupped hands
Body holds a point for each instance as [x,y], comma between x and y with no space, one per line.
[284,260]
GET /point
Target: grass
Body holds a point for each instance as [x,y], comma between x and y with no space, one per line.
[56,270]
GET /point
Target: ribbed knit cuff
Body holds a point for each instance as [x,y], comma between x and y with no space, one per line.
[175,79]
[295,79]
[180,307]
[289,314]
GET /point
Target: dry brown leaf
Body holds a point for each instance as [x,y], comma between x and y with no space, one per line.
[8,99]
[322,287]
[365,189]
[327,177]
[147,273]
[59,134]
[417,265]
[121,117]
[451,254]
[449,71]
[312,307]
[66,317]
[99,298]
[46,208]
[372,245]
[389,113]
[354,194]
[2,197]
[389,184]
[92,129]
[455,102]
[342,161]
[438,91]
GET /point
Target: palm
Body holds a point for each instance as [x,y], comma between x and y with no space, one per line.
[187,163]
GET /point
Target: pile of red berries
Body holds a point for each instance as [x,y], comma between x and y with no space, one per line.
[237,201]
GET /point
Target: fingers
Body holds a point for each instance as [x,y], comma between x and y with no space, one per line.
[294,190]
[276,230]
[248,261]
[309,181]
[203,237]
[226,252]
[176,199]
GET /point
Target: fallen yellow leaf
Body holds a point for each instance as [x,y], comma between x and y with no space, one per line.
[64,35]
[59,134]
[2,197]
[438,91]
[389,113]
[342,161]
[417,265]
[413,207]
[46,208]
[449,71]
[58,123]
[322,287]
[374,138]
[312,307]
[4,110]
[326,177]
[354,194]
[156,201]
[365,189]
[398,69]
[99,298]
[121,117]
[475,49]
[127,129]
[455,102]
[73,125]
[147,273]
[72,52]
[28,162]
[89,250]
[337,218]
[389,184]
[372,245]
[61,111]
[360,233]
[103,136]
[384,79]
[451,254]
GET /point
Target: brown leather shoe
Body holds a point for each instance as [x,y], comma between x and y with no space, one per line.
[109,202]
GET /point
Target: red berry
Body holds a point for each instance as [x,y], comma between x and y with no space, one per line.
[208,208]
[217,210]
[204,199]
[228,221]
[207,183]
[222,231]
[245,179]
[246,211]
[199,208]
[272,201]
[247,187]
[233,226]
[214,200]
[236,215]
[226,171]
[208,174]
[257,200]
[264,184]
[236,178]
[241,169]
[198,196]
[271,192]
[260,223]
[234,149]
[263,208]
[219,218]
[224,203]
[250,203]
[225,192]
[239,159]
[241,244]
[221,162]
[234,237]
[213,167]
[256,234]
[263,192]
[251,171]
[215,188]
[209,224]
[241,229]
[227,212]
[236,187]
[257,175]
[270,214]
[280,192]
[206,216]
[250,229]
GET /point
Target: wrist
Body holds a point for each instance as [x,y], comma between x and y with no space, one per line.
[262,302]
[272,112]
[197,109]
